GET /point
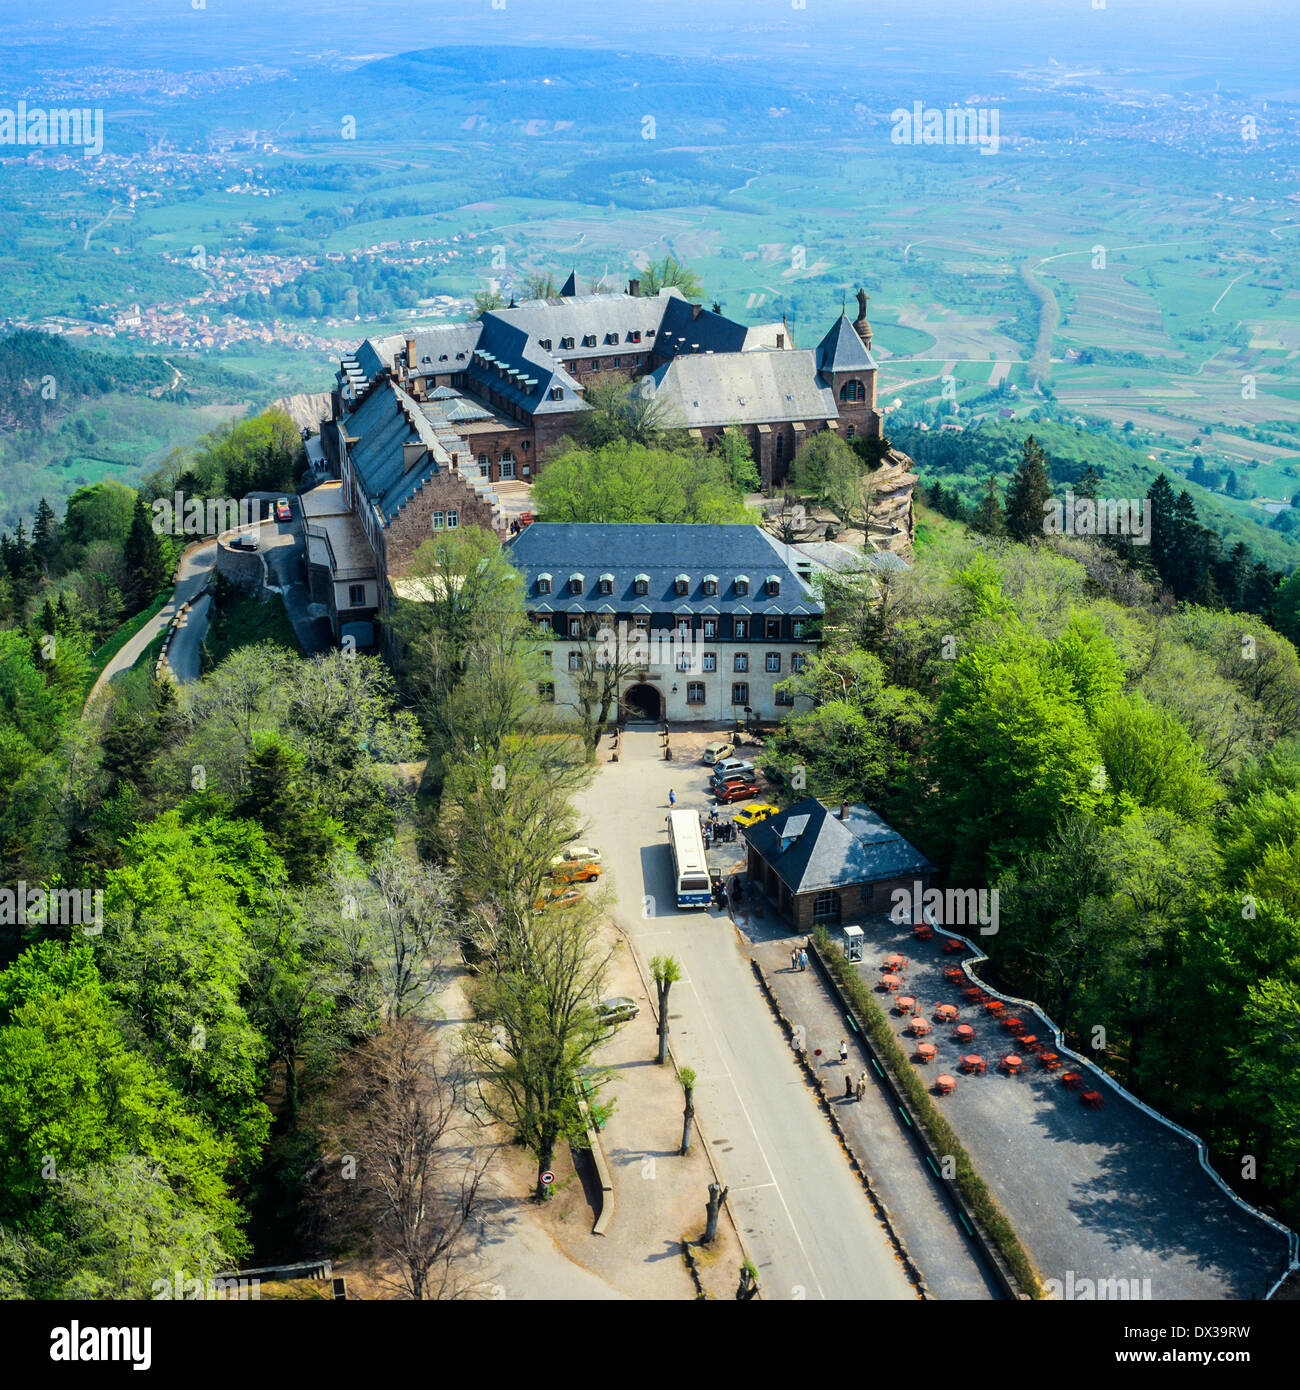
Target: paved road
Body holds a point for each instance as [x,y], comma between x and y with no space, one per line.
[192,574]
[801,1211]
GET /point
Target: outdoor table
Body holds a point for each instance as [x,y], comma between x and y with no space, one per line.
[964,1032]
[974,992]
[952,945]
[947,1012]
[1049,1061]
[896,961]
[1012,1063]
[945,1083]
[1013,1025]
[994,1006]
[923,931]
[1070,1079]
[904,1003]
[918,1027]
[925,1051]
[890,981]
[973,1062]
[954,973]
[1092,1099]
[1029,1043]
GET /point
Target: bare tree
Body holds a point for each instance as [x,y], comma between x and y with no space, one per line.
[667,971]
[608,659]
[687,1077]
[717,1195]
[407,1187]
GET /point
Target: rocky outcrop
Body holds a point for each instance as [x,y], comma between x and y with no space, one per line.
[890,524]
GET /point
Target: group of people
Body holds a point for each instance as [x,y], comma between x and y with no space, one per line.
[798,959]
[721,832]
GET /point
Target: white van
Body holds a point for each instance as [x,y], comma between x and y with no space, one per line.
[728,767]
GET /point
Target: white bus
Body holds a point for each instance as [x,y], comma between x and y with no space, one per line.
[694,888]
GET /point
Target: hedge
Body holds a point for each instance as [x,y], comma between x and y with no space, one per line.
[941,1133]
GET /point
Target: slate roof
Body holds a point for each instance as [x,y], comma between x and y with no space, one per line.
[841,350]
[743,388]
[450,341]
[661,552]
[386,420]
[833,853]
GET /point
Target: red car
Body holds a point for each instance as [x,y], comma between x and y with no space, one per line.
[735,791]
[283,512]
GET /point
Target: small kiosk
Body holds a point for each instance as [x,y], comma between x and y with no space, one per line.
[853,939]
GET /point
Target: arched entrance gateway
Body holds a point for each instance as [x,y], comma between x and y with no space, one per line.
[642,702]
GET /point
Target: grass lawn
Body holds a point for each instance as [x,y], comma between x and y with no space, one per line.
[239,620]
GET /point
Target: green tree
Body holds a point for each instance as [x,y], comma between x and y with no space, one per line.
[1027,495]
[670,272]
[987,517]
[146,563]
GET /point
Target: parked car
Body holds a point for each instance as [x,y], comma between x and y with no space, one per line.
[244,543]
[717,750]
[735,791]
[726,766]
[283,511]
[751,815]
[577,854]
[579,872]
[620,1009]
[564,897]
[719,778]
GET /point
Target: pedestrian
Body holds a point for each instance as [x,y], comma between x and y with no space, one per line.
[860,1089]
[803,960]
[848,1086]
[794,960]
[844,1049]
[672,799]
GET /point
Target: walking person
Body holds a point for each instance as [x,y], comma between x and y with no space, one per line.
[794,960]
[672,799]
[803,960]
[860,1089]
[844,1049]
[848,1086]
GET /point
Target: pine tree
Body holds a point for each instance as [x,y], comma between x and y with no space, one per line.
[1089,484]
[45,532]
[987,517]
[936,498]
[1027,495]
[1164,540]
[143,553]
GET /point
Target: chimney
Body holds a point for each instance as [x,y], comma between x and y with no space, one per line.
[634,288]
[410,354]
[696,310]
[780,342]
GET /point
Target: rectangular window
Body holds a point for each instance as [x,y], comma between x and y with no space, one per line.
[710,627]
[546,692]
[507,468]
[797,660]
[684,662]
[783,697]
[774,629]
[453,520]
[796,628]
[740,693]
[742,662]
[356,595]
[709,661]
[545,626]
[641,622]
[739,629]
[694,692]
[575,627]
[546,659]
[772,661]
[575,661]
[438,520]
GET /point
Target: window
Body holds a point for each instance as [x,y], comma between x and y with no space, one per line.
[740,693]
[742,584]
[826,907]
[710,580]
[694,692]
[796,628]
[634,336]
[773,584]
[438,520]
[642,584]
[525,446]
[641,622]
[709,661]
[557,393]
[772,661]
[617,362]
[783,697]
[797,660]
[546,659]
[773,626]
[853,391]
[683,629]
[566,344]
[482,460]
[545,627]
[543,583]
[780,446]
[741,662]
[507,468]
[453,520]
[611,339]
[739,629]
[356,595]
[682,583]
[575,627]
[710,627]
[606,583]
[575,661]
[684,662]
[546,692]
[575,583]
[851,432]
[589,340]
[546,343]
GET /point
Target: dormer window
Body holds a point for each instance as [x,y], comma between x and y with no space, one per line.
[611,339]
[557,393]
[634,337]
[683,583]
[710,583]
[742,584]
[566,344]
[773,584]
[606,583]
[543,583]
[589,340]
[546,343]
[642,584]
[576,582]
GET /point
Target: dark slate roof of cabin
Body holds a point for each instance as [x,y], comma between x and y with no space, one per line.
[841,350]
[386,420]
[661,552]
[832,853]
[727,388]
